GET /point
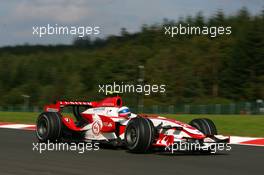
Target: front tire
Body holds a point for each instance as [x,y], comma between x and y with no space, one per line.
[139,135]
[206,126]
[49,127]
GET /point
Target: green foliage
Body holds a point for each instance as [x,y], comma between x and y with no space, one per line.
[193,68]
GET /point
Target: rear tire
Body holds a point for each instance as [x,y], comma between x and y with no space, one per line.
[139,135]
[49,127]
[206,126]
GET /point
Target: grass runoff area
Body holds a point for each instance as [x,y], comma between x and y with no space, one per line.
[238,125]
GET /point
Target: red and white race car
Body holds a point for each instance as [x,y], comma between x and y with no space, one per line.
[108,121]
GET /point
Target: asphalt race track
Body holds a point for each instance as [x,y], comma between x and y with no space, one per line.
[17,157]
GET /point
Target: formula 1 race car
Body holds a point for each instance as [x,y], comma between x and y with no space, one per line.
[108,121]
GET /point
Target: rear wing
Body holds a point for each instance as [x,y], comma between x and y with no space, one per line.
[61,104]
[107,102]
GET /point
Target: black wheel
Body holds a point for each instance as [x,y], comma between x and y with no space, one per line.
[139,135]
[49,126]
[206,126]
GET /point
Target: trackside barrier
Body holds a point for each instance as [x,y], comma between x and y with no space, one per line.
[232,108]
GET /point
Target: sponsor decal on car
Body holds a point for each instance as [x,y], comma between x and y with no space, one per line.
[96,127]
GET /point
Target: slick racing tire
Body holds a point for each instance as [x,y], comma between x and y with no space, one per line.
[49,127]
[139,135]
[206,126]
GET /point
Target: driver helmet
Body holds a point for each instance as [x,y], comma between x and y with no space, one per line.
[124,112]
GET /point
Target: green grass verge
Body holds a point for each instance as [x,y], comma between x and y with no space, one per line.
[19,117]
[240,125]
